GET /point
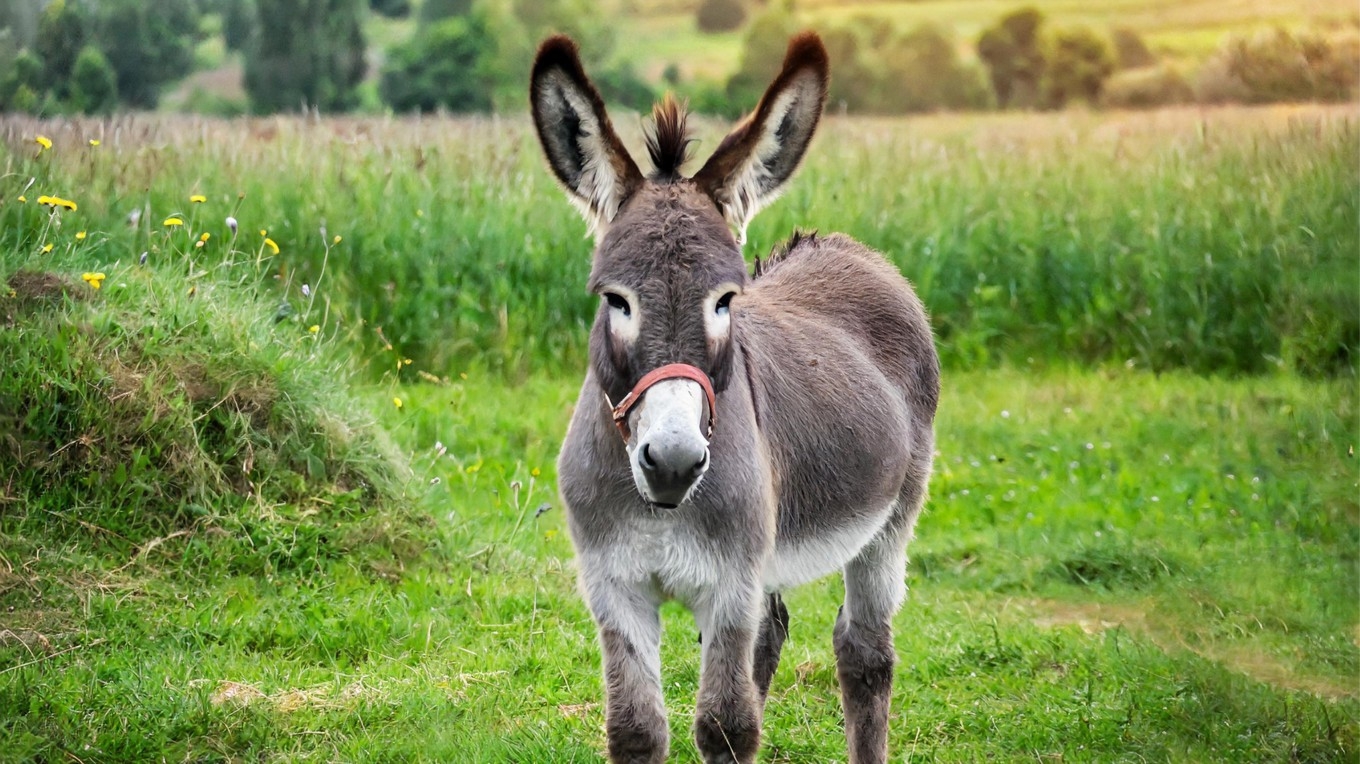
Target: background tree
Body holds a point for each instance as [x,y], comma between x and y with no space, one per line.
[443,66]
[1078,63]
[922,72]
[438,10]
[1130,52]
[21,86]
[309,54]
[1014,57]
[94,86]
[392,9]
[62,31]
[147,45]
[720,16]
[238,23]
[20,19]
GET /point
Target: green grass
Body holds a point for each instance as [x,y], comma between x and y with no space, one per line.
[1183,587]
[1218,241]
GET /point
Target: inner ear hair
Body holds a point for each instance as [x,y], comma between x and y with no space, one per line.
[579,140]
[762,152]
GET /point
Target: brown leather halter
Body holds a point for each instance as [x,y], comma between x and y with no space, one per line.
[669,371]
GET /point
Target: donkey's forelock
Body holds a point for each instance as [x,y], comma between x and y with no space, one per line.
[668,141]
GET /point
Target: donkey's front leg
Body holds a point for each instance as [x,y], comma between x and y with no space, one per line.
[727,717]
[874,589]
[630,638]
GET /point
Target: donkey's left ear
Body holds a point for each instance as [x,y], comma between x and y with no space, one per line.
[583,150]
[752,163]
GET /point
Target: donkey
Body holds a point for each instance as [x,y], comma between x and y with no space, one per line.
[735,435]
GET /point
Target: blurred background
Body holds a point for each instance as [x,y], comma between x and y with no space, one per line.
[230,57]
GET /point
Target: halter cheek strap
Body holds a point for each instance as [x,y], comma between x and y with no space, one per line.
[669,371]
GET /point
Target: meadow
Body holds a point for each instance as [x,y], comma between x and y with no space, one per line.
[244,520]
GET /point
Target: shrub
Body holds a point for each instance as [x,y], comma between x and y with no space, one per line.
[1276,66]
[392,9]
[1014,58]
[94,87]
[440,68]
[720,16]
[1130,52]
[1078,62]
[1146,88]
[922,72]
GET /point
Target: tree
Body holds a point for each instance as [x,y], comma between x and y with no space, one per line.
[238,23]
[62,31]
[147,45]
[20,19]
[441,67]
[1014,58]
[310,54]
[720,16]
[1079,61]
[922,72]
[392,9]
[94,86]
[432,11]
[21,85]
[1130,52]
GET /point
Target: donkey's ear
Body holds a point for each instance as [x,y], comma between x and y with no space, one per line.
[751,164]
[583,150]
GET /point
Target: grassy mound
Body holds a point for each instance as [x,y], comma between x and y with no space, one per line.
[153,407]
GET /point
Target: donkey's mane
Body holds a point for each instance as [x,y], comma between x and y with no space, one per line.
[668,141]
[780,252]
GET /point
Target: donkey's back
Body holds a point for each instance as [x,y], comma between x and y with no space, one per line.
[846,380]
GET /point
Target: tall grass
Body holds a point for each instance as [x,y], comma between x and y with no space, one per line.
[1221,241]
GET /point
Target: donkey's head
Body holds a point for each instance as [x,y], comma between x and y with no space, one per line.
[667,262]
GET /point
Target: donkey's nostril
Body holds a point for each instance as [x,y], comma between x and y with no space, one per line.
[700,465]
[648,463]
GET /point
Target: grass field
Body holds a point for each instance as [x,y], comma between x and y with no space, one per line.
[244,522]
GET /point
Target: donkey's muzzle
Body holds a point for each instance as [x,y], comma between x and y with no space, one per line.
[671,467]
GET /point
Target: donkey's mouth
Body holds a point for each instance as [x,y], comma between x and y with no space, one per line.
[659,505]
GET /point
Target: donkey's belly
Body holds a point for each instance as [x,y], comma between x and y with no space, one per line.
[810,558]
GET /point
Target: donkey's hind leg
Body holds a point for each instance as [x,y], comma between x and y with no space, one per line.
[774,629]
[874,589]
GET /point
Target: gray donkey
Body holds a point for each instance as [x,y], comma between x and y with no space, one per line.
[735,435]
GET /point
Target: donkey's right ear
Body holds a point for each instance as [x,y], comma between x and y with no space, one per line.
[583,150]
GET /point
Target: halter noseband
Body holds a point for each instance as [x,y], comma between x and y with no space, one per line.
[669,371]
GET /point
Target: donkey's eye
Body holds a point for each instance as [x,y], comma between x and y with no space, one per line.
[724,303]
[618,303]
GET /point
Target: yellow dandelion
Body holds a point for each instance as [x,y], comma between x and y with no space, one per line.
[396,402]
[95,280]
[193,290]
[314,328]
[173,223]
[534,472]
[23,198]
[550,534]
[56,201]
[80,236]
[205,236]
[198,199]
[336,240]
[43,141]
[268,242]
[264,232]
[47,248]
[406,362]
[94,141]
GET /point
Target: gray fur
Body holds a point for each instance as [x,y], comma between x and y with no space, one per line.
[827,386]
